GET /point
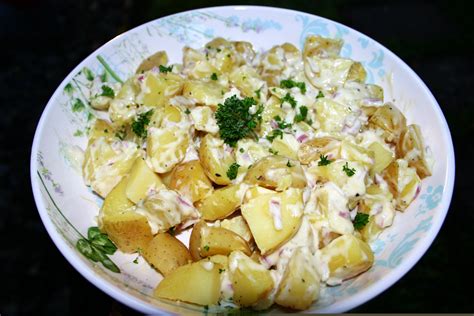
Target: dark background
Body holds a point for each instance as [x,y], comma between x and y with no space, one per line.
[42,41]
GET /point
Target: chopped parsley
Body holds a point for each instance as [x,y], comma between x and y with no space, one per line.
[214,76]
[320,95]
[140,124]
[241,150]
[257,93]
[187,111]
[136,260]
[107,92]
[233,170]
[302,115]
[288,164]
[349,171]
[121,134]
[274,134]
[78,133]
[235,121]
[281,124]
[165,69]
[290,84]
[78,105]
[272,151]
[360,220]
[206,248]
[288,98]
[323,160]
[221,270]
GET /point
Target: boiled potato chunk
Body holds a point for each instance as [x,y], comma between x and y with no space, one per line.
[106,162]
[222,202]
[205,93]
[382,156]
[246,79]
[286,146]
[209,241]
[276,172]
[141,180]
[155,60]
[116,201]
[197,283]
[250,280]
[411,147]
[316,45]
[239,226]
[299,286]
[331,115]
[274,218]
[215,159]
[390,120]
[255,191]
[101,128]
[403,182]
[159,88]
[190,180]
[166,253]
[130,231]
[204,120]
[166,147]
[312,150]
[347,256]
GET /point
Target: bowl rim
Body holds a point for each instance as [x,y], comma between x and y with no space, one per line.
[354,300]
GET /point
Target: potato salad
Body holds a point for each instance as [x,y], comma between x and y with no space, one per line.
[283,165]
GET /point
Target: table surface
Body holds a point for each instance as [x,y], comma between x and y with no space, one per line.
[42,41]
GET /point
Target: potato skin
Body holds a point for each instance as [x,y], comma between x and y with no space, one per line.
[189,179]
[215,160]
[197,282]
[221,203]
[166,253]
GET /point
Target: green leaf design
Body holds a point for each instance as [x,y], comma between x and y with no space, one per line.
[96,248]
[78,105]
[68,88]
[93,232]
[88,73]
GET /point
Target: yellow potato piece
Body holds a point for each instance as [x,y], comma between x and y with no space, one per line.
[347,256]
[166,147]
[411,147]
[159,88]
[312,150]
[166,253]
[208,241]
[390,120]
[116,201]
[382,156]
[299,286]
[246,79]
[403,182]
[239,226]
[276,172]
[155,60]
[197,283]
[286,146]
[141,180]
[205,93]
[250,280]
[101,128]
[222,202]
[274,218]
[215,159]
[190,180]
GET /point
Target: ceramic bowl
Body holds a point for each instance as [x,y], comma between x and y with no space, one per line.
[67,207]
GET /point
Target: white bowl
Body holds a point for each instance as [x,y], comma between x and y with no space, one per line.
[68,208]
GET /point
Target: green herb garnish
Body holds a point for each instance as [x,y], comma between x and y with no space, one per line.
[221,270]
[290,84]
[257,93]
[165,69]
[235,121]
[96,247]
[360,220]
[272,151]
[349,171]
[323,160]
[187,111]
[302,115]
[274,134]
[140,124]
[107,92]
[206,248]
[288,164]
[233,170]
[214,76]
[281,124]
[288,98]
[68,88]
[320,95]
